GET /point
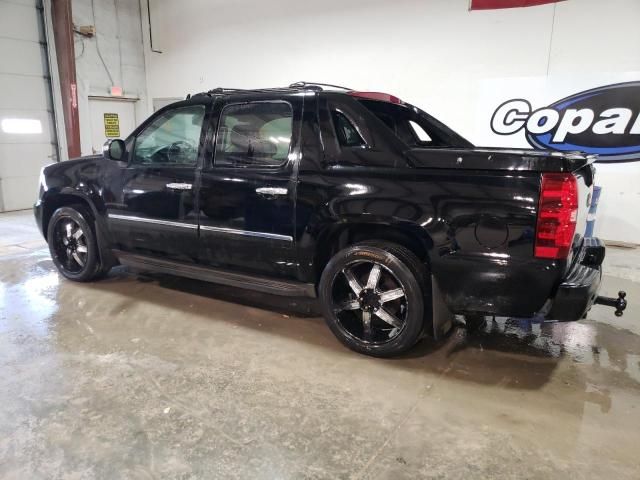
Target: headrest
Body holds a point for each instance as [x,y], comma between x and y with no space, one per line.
[241,136]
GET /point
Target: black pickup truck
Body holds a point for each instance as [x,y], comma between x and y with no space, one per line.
[393,220]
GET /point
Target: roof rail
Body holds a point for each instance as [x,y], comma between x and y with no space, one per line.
[228,90]
[223,90]
[294,86]
[199,94]
[316,86]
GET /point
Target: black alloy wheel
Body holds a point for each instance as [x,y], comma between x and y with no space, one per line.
[369,302]
[373,298]
[72,243]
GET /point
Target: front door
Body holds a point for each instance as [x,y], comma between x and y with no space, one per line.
[152,209]
[247,190]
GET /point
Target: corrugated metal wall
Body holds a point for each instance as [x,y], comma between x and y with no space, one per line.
[27,129]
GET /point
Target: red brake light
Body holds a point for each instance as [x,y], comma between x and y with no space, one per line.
[383,97]
[557,215]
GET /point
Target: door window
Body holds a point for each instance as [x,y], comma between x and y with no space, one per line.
[172,138]
[254,134]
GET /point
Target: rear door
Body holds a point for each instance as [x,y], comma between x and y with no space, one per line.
[151,204]
[247,189]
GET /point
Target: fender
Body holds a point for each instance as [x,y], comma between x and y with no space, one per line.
[325,234]
[348,230]
[63,197]
[77,179]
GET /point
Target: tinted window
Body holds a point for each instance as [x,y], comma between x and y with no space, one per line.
[254,134]
[171,139]
[415,127]
[346,133]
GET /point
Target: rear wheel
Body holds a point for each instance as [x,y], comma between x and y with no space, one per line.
[72,243]
[373,298]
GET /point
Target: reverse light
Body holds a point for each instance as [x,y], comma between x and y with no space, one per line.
[383,97]
[557,215]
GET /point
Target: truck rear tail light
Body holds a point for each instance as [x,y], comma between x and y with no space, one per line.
[557,215]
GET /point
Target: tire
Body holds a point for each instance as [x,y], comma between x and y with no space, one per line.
[70,232]
[381,318]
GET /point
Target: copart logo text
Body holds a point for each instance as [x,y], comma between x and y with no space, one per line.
[603,120]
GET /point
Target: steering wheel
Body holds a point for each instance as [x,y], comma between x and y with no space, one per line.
[179,149]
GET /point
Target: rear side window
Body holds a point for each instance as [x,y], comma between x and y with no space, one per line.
[414,129]
[254,134]
[346,133]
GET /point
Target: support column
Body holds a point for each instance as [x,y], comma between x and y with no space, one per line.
[65,52]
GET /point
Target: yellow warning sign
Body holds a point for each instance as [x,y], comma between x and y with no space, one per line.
[111,125]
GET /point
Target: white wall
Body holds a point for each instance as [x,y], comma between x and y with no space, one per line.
[119,38]
[433,53]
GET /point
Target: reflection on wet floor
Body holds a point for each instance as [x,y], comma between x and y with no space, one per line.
[585,342]
[155,376]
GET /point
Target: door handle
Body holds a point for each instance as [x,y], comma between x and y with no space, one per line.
[179,186]
[272,191]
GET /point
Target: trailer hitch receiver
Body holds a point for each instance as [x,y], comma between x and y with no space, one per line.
[619,303]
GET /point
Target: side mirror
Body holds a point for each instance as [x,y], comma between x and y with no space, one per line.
[113,149]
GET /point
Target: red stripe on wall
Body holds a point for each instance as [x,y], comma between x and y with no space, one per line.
[492,4]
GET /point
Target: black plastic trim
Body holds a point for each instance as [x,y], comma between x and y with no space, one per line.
[214,275]
[576,294]
[593,252]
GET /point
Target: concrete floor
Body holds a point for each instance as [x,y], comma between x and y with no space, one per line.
[153,377]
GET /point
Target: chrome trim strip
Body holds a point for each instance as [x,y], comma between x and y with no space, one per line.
[179,186]
[272,191]
[232,231]
[247,233]
[167,223]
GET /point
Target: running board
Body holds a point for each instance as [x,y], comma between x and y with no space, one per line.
[214,275]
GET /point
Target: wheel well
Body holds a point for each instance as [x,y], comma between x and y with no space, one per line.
[341,238]
[54,203]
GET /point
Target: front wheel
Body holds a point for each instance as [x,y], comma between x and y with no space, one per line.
[373,298]
[72,243]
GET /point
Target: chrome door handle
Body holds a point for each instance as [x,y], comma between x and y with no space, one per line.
[179,186]
[272,191]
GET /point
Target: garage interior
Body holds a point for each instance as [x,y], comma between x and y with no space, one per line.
[144,375]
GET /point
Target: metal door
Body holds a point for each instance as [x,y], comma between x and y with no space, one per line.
[27,130]
[110,119]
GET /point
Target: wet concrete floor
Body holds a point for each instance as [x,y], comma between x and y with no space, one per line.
[143,377]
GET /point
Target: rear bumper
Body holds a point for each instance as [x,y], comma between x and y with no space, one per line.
[579,289]
[576,294]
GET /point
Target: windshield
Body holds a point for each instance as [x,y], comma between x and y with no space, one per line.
[415,127]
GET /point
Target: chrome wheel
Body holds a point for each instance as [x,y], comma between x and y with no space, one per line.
[70,245]
[369,302]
